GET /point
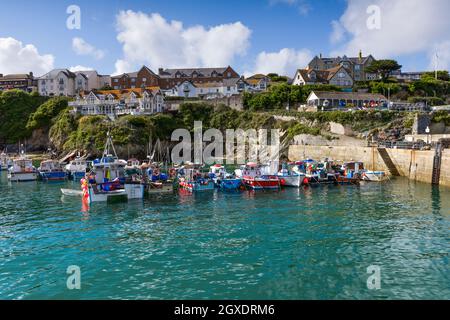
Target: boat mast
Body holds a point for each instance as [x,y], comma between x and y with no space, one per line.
[109,143]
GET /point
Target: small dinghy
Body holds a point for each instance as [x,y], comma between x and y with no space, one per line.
[72,192]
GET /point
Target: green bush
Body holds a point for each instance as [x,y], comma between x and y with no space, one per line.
[16,107]
[45,114]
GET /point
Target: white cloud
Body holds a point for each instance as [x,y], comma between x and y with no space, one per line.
[156,42]
[338,33]
[407,27]
[82,48]
[303,6]
[17,58]
[284,62]
[80,68]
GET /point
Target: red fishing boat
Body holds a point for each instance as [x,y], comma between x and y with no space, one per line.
[258,177]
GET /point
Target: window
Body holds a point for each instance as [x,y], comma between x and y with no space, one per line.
[228,88]
[133,80]
[144,79]
[116,80]
[229,74]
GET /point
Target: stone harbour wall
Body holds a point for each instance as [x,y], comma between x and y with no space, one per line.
[414,164]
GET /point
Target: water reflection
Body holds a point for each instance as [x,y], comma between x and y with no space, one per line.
[313,242]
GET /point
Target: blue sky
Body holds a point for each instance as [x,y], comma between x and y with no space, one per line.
[302,27]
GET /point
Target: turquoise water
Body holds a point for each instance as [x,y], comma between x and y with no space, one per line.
[294,244]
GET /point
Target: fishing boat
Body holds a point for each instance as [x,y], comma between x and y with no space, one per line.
[133,166]
[292,175]
[22,170]
[351,173]
[72,193]
[374,176]
[224,180]
[158,181]
[77,168]
[192,179]
[107,179]
[258,177]
[320,172]
[5,162]
[52,170]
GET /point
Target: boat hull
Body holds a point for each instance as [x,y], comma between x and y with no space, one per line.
[22,176]
[157,188]
[375,176]
[197,186]
[230,184]
[130,192]
[262,183]
[53,176]
[77,176]
[292,181]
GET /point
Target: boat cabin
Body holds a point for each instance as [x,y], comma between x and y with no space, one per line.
[50,166]
[22,165]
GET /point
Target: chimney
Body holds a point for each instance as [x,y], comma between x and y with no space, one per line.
[31,75]
[1,75]
[360,55]
[320,56]
[160,70]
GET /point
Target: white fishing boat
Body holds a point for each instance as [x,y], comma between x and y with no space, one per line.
[133,164]
[77,168]
[291,176]
[72,193]
[22,170]
[107,179]
[375,176]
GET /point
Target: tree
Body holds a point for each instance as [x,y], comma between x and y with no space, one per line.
[441,75]
[383,68]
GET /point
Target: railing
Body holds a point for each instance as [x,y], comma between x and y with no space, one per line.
[401,145]
[93,103]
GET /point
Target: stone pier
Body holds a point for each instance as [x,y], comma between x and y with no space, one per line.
[414,164]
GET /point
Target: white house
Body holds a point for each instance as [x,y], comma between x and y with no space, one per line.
[95,80]
[257,83]
[333,100]
[207,90]
[59,82]
[338,76]
[185,89]
[119,102]
[63,82]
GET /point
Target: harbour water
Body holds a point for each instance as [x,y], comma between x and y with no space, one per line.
[314,243]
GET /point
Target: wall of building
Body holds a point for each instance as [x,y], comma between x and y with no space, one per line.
[414,164]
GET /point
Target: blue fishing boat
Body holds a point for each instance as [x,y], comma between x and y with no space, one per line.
[51,170]
[223,180]
[194,181]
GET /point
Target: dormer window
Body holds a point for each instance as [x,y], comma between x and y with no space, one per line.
[61,81]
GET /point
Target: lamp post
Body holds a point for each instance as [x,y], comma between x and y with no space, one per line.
[427,130]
